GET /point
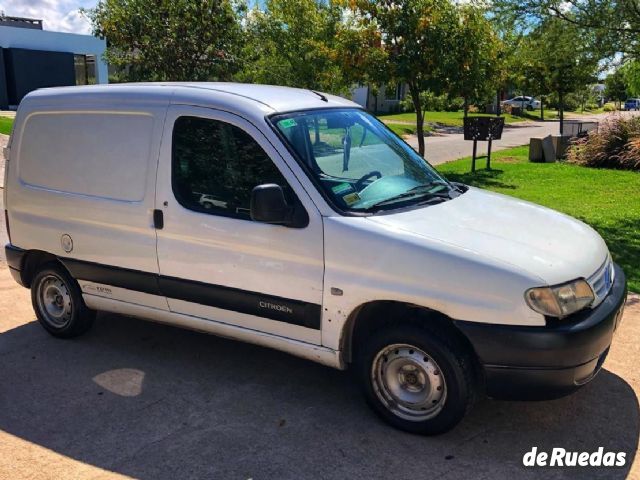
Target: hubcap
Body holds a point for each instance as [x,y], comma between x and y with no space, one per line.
[408,382]
[54,301]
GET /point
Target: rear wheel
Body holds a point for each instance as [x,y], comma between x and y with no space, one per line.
[416,379]
[58,303]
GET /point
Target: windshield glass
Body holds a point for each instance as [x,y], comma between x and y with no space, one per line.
[359,163]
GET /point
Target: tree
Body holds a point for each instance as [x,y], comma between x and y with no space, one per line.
[631,76]
[509,57]
[361,56]
[614,24]
[475,51]
[418,36]
[293,42]
[561,58]
[169,40]
[616,87]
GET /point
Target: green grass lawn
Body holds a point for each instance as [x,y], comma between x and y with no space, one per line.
[608,200]
[403,129]
[5,125]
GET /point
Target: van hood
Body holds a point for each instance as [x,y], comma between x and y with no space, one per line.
[545,243]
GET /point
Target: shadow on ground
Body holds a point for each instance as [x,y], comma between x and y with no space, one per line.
[481,178]
[156,402]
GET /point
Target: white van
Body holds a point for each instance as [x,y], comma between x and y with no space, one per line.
[295,220]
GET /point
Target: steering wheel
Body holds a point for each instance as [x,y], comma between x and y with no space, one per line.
[364,178]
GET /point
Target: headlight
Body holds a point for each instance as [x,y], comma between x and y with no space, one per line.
[561,300]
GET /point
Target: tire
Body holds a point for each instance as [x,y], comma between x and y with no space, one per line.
[416,379]
[58,303]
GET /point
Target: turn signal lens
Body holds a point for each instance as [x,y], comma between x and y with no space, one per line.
[561,300]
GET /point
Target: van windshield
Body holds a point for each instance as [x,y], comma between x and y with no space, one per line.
[358,162]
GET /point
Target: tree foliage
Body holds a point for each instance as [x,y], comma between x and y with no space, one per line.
[293,42]
[616,86]
[418,37]
[613,24]
[169,40]
[555,57]
[476,49]
[631,77]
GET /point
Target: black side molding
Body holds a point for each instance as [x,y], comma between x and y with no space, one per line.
[281,309]
[137,280]
[275,308]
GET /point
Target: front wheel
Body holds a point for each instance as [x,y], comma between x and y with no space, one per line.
[415,379]
[57,302]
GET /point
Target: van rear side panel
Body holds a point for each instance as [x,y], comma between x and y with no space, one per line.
[86,171]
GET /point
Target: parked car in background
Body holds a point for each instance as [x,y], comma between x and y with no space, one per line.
[209,201]
[632,104]
[528,103]
[296,220]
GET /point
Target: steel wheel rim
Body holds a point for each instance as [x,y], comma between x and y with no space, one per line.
[54,301]
[408,382]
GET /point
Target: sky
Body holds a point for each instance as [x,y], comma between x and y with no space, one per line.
[58,15]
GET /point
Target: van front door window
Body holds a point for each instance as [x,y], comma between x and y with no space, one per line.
[216,165]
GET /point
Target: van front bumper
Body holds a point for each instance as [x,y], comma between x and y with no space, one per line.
[540,363]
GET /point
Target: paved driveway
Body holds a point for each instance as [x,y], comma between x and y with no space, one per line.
[451,146]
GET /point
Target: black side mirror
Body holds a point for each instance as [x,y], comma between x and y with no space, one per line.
[268,205]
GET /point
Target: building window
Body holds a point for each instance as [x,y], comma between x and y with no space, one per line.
[85,66]
[399,90]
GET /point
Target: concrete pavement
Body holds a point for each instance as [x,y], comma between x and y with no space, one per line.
[451,146]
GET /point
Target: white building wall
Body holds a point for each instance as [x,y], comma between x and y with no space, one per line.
[11,37]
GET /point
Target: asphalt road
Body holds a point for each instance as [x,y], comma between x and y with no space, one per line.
[451,146]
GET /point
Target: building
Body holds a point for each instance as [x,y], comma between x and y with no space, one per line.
[387,99]
[32,58]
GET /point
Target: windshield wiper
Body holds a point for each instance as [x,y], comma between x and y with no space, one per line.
[417,191]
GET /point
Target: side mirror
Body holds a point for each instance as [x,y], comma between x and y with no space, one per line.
[268,205]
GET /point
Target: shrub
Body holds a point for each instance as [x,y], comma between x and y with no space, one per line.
[433,103]
[609,107]
[616,144]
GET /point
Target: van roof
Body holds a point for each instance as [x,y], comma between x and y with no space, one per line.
[269,98]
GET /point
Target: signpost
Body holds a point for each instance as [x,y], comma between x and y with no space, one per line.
[482,129]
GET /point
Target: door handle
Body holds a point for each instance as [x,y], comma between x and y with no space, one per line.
[158,219]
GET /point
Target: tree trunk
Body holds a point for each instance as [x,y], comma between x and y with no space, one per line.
[498,109]
[466,107]
[541,108]
[415,98]
[561,111]
[316,125]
